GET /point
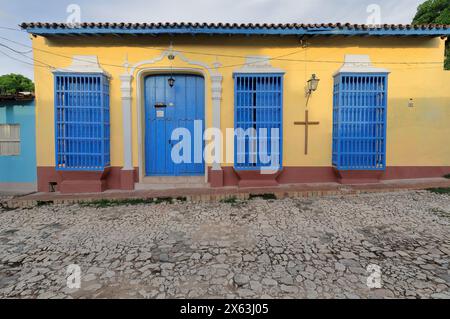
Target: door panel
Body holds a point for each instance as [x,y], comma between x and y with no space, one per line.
[184,105]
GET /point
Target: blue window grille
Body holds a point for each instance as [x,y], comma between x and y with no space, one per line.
[82,126]
[258,105]
[359,121]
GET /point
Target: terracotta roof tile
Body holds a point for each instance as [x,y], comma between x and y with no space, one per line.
[43,27]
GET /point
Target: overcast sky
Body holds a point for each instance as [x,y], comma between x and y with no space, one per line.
[13,12]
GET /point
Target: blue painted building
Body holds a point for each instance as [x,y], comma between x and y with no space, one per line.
[17,146]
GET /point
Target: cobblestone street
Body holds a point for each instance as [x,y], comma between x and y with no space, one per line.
[259,248]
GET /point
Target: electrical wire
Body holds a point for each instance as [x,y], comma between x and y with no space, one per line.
[231,56]
[46,65]
[16,51]
[278,58]
[11,29]
[122,66]
[152,48]
[18,60]
[24,55]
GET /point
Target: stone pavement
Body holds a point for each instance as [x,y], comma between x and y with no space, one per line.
[289,248]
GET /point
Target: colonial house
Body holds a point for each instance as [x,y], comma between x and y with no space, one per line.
[142,105]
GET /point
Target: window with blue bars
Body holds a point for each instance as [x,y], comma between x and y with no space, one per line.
[82,119]
[359,121]
[258,118]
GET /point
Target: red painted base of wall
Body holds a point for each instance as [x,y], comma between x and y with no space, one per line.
[215,178]
[288,175]
[358,177]
[299,175]
[127,179]
[84,181]
[116,178]
[407,172]
[293,175]
[257,179]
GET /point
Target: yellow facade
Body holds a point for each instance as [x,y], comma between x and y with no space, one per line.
[418,136]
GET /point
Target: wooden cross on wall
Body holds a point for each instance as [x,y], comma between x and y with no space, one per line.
[306,123]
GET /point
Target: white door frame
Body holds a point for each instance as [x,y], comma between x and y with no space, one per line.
[141,75]
[200,68]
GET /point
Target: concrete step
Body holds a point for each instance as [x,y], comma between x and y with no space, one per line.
[171,182]
[149,187]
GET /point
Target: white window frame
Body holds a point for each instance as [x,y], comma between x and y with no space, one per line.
[9,145]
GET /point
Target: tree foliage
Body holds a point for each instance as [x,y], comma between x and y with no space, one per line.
[435,11]
[14,83]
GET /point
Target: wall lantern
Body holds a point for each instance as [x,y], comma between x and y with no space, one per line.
[171,81]
[313,83]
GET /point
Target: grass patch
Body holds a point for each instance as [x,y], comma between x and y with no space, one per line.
[229,200]
[269,196]
[440,190]
[41,203]
[102,203]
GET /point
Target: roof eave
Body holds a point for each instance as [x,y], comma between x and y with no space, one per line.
[227,31]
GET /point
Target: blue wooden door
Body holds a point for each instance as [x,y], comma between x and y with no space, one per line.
[168,108]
